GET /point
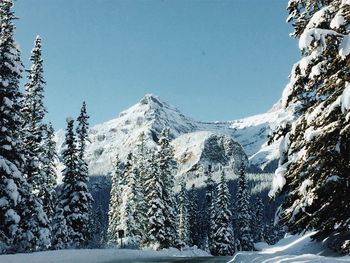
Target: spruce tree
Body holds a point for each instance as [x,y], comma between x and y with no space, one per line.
[75,198]
[210,208]
[183,215]
[193,214]
[140,169]
[10,157]
[243,233]
[314,164]
[33,112]
[128,205]
[82,177]
[257,222]
[48,166]
[223,237]
[115,203]
[156,235]
[23,224]
[166,167]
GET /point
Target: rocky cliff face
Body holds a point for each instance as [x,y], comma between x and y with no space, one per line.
[196,144]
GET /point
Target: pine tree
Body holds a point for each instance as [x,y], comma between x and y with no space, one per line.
[223,237]
[60,230]
[33,112]
[48,167]
[166,166]
[23,224]
[115,203]
[10,158]
[211,209]
[183,215]
[75,198]
[257,222]
[98,228]
[140,169]
[243,230]
[193,215]
[156,236]
[314,165]
[82,177]
[128,206]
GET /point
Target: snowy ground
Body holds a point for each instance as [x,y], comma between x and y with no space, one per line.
[290,249]
[99,256]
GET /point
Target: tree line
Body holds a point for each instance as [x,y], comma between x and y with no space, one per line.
[145,211]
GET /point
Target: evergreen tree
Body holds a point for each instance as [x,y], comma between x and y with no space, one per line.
[155,214]
[140,169]
[60,231]
[49,195]
[193,212]
[166,166]
[33,112]
[98,228]
[23,224]
[314,163]
[115,203]
[223,237]
[10,158]
[82,177]
[75,198]
[128,205]
[243,230]
[257,222]
[183,215]
[210,207]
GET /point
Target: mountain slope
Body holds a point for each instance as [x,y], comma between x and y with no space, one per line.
[206,142]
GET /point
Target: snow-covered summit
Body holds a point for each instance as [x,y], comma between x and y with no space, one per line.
[151,114]
[252,133]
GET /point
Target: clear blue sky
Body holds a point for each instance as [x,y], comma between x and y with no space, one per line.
[214,60]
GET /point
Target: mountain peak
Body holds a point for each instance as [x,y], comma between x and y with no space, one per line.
[151,99]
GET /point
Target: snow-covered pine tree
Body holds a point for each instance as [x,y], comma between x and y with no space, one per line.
[10,158]
[74,198]
[244,238]
[314,165]
[98,228]
[82,178]
[63,233]
[257,222]
[210,208]
[166,169]
[193,213]
[37,157]
[33,112]
[60,230]
[183,215]
[128,205]
[140,169]
[48,167]
[154,197]
[223,238]
[23,224]
[115,203]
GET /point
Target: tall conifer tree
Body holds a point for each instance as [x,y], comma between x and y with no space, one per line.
[223,237]
[313,172]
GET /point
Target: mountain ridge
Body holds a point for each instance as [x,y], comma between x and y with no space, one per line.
[151,114]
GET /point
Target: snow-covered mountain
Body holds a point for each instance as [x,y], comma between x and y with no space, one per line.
[194,142]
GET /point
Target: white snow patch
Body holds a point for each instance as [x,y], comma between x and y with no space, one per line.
[100,255]
[293,248]
[344,47]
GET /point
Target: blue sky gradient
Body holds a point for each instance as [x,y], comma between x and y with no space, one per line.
[214,60]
